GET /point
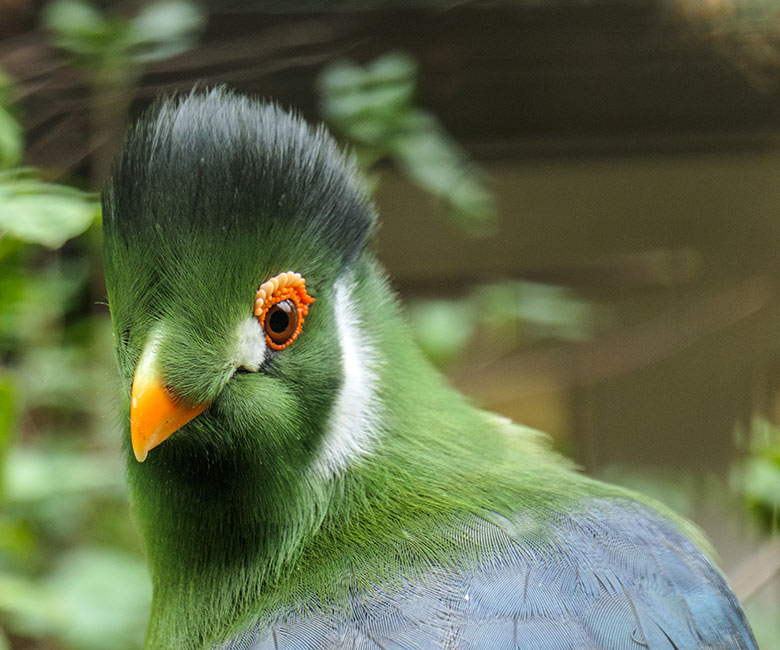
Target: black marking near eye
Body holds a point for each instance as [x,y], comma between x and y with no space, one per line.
[265,367]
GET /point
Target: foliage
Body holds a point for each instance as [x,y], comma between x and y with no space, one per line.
[43,213]
[112,49]
[32,210]
[94,40]
[64,571]
[757,477]
[373,107]
[63,503]
[507,313]
[10,129]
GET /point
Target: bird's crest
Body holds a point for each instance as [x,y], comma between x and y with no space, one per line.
[212,166]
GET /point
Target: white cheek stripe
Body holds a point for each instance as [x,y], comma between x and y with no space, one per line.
[250,351]
[353,426]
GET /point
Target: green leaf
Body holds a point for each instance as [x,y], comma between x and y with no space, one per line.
[106,596]
[29,608]
[19,543]
[11,145]
[539,310]
[341,76]
[164,29]
[73,18]
[11,133]
[56,376]
[443,328]
[80,29]
[373,107]
[33,304]
[393,68]
[762,482]
[7,419]
[369,104]
[34,475]
[434,161]
[43,213]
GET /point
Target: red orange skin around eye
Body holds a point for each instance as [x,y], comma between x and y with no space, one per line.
[300,298]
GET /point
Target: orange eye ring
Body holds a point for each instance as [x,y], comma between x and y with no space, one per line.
[281,306]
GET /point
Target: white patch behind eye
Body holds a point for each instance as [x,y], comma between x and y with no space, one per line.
[251,348]
[355,418]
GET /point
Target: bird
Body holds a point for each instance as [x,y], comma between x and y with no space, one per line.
[302,476]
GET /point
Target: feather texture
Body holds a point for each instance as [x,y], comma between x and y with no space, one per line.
[612,576]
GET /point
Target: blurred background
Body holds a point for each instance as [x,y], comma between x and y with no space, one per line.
[580,203]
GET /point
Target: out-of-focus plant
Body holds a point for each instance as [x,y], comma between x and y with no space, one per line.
[62,573]
[508,314]
[115,45]
[112,51]
[32,210]
[757,477]
[10,129]
[373,107]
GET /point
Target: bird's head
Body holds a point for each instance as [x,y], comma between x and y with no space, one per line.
[284,427]
[230,227]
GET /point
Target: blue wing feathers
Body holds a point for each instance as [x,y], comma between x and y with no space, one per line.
[617,576]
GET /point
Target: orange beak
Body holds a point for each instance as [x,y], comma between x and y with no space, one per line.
[154,413]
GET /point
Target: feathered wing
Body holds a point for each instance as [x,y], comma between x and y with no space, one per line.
[614,575]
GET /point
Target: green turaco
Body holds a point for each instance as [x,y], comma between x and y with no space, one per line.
[302,477]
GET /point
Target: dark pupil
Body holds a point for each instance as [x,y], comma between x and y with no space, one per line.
[279,320]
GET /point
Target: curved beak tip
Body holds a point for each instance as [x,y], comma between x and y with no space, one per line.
[155,414]
[140,453]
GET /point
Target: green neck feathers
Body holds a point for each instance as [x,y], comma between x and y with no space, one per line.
[230,529]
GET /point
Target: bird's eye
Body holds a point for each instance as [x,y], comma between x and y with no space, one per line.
[281,306]
[281,321]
